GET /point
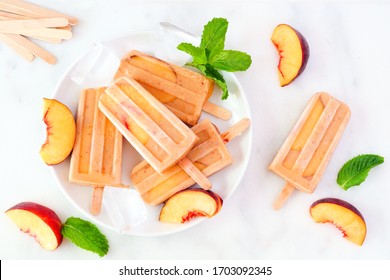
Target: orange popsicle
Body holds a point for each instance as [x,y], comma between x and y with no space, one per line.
[303,157]
[181,90]
[209,155]
[97,154]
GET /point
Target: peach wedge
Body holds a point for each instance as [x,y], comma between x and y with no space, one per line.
[39,221]
[188,204]
[60,132]
[343,215]
[293,52]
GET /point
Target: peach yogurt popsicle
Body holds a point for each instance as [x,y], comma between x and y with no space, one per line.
[155,132]
[303,157]
[97,154]
[209,154]
[181,90]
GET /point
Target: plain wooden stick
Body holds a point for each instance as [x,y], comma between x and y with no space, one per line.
[4,17]
[8,15]
[68,27]
[31,10]
[49,40]
[32,23]
[217,111]
[41,32]
[9,40]
[33,48]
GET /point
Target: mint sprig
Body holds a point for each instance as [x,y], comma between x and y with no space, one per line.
[210,56]
[85,235]
[355,171]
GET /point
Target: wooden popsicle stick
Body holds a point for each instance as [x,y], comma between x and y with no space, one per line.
[32,10]
[19,49]
[67,27]
[195,173]
[49,40]
[217,111]
[8,16]
[41,32]
[228,135]
[33,48]
[33,23]
[283,196]
[97,197]
[235,130]
[3,17]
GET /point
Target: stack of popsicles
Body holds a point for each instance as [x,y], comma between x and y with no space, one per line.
[148,108]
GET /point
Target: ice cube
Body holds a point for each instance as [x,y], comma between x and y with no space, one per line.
[96,68]
[124,207]
[169,36]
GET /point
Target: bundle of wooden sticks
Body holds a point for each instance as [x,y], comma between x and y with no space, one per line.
[21,20]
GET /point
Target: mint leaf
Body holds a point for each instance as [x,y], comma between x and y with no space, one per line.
[215,51]
[210,72]
[231,61]
[355,171]
[213,36]
[223,86]
[210,56]
[85,235]
[198,54]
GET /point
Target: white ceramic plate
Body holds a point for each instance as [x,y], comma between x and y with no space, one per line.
[95,68]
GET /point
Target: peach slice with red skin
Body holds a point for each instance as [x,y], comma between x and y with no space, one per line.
[190,203]
[39,221]
[293,51]
[343,215]
[60,132]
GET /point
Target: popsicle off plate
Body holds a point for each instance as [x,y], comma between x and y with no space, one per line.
[303,157]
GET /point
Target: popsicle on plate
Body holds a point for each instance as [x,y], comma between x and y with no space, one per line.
[181,90]
[155,132]
[209,154]
[97,154]
[303,157]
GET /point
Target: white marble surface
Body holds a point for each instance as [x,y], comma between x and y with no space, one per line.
[349,59]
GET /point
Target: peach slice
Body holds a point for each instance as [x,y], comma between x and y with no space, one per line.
[343,215]
[39,221]
[293,50]
[219,201]
[60,132]
[188,204]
